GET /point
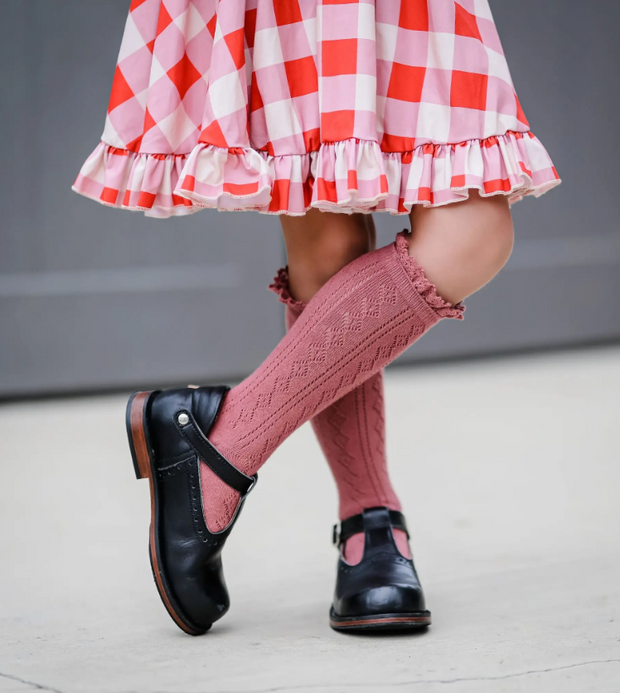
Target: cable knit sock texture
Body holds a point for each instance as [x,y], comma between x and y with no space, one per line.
[358,322]
[351,433]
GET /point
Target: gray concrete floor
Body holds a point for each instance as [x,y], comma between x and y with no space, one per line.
[509,474]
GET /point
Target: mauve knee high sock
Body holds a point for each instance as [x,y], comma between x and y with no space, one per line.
[359,321]
[351,433]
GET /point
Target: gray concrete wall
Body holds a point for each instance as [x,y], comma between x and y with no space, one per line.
[93,298]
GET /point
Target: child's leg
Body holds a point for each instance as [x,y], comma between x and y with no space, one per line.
[462,246]
[351,431]
[360,320]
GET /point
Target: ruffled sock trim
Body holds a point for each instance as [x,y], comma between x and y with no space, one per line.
[282,289]
[421,283]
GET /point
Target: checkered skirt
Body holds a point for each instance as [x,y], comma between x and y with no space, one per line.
[282,105]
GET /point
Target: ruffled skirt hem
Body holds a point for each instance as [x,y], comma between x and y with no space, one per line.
[348,176]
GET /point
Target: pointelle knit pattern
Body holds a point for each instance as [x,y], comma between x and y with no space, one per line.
[351,431]
[360,320]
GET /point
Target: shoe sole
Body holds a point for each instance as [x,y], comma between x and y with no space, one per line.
[144,468]
[380,622]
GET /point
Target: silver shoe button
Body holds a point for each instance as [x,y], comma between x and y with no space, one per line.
[183,419]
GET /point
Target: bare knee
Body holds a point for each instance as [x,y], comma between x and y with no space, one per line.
[488,236]
[463,246]
[316,252]
[332,251]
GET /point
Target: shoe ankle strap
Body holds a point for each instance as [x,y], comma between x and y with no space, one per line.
[356,524]
[204,449]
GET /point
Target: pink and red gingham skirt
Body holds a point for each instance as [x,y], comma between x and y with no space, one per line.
[282,105]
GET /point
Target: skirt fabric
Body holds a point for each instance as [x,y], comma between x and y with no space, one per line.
[282,105]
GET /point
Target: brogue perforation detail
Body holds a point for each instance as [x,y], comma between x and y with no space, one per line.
[200,526]
[176,468]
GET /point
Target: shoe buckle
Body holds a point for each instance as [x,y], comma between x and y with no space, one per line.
[335,536]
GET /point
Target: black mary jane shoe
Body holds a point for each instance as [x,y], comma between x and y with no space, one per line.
[382,592]
[167,433]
